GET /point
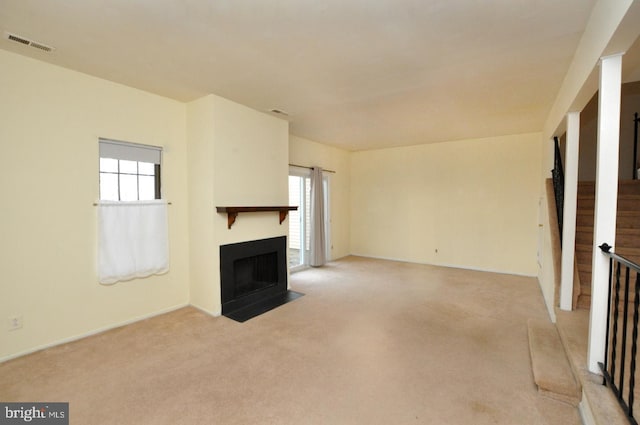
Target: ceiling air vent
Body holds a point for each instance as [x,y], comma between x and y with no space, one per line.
[27,42]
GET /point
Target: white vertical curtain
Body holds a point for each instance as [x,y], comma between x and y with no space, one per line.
[133,240]
[318,242]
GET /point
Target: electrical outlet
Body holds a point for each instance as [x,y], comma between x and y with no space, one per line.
[15,322]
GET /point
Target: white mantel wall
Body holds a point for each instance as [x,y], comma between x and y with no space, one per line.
[237,157]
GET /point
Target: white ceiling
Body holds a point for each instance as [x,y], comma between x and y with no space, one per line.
[359,74]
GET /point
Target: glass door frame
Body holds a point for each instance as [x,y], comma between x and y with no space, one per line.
[305,175]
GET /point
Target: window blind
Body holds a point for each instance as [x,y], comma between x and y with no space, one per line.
[129,151]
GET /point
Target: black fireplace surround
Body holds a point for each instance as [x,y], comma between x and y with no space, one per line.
[253,277]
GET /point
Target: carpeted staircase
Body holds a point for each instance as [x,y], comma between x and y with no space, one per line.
[627,234]
[559,351]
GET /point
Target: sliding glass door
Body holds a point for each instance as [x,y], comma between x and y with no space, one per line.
[300,220]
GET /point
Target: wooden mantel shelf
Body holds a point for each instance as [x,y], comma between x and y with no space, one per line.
[232,212]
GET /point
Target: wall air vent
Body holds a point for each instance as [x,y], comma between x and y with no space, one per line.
[18,39]
[27,42]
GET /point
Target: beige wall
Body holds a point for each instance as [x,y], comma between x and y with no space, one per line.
[308,153]
[237,157]
[203,260]
[470,204]
[51,121]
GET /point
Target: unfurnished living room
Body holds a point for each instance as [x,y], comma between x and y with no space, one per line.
[330,212]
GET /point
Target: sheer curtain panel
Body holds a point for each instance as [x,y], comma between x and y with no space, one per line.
[133,240]
[318,242]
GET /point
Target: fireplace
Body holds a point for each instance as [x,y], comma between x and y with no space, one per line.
[253,277]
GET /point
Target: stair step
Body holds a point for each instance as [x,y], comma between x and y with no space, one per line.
[584,270]
[586,287]
[625,203]
[624,237]
[625,187]
[584,192]
[588,231]
[584,301]
[627,249]
[583,247]
[592,196]
[584,219]
[585,229]
[628,231]
[628,220]
[629,213]
[583,257]
[552,371]
[628,237]
[584,241]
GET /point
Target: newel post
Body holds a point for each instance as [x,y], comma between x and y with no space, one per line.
[606,202]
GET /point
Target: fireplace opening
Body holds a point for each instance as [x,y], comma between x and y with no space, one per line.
[255,273]
[253,277]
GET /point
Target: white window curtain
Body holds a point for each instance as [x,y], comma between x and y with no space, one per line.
[133,240]
[318,242]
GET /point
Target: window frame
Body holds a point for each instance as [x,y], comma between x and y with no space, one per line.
[133,152]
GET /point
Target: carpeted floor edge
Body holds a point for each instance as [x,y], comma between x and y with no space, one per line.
[551,369]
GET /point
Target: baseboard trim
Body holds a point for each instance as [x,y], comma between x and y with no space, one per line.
[449,266]
[586,415]
[216,313]
[93,332]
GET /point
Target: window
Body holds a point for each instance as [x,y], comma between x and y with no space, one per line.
[300,220]
[129,171]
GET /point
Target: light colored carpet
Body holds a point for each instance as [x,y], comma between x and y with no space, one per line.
[372,342]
